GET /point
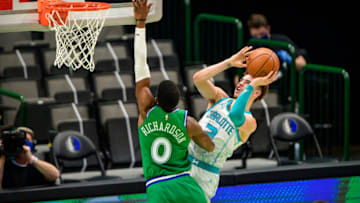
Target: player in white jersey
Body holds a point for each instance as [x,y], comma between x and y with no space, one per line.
[228,121]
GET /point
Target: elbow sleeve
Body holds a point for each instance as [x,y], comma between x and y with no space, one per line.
[141,67]
[237,111]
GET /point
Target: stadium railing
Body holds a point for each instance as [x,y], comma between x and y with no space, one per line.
[23,105]
[324,97]
[216,37]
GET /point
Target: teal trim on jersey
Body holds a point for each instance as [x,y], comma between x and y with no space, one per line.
[228,105]
[203,165]
[220,100]
[237,135]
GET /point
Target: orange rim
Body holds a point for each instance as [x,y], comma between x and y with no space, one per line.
[46,7]
[77,6]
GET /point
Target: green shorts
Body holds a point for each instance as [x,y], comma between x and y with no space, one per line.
[179,189]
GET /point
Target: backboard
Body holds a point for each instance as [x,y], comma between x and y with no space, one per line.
[22,15]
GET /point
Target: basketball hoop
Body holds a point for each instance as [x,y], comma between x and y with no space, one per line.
[77,26]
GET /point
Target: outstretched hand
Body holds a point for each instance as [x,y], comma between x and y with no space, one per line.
[238,59]
[265,80]
[141,9]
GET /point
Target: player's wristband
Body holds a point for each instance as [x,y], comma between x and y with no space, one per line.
[33,160]
[141,19]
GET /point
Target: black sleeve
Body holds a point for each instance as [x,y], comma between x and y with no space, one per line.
[16,176]
[35,177]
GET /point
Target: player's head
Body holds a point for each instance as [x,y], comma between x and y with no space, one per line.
[258,93]
[168,95]
[258,26]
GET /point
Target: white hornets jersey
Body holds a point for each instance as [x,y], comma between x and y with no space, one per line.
[222,130]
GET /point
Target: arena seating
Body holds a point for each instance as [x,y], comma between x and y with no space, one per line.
[100,104]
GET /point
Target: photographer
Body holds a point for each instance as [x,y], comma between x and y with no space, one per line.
[19,167]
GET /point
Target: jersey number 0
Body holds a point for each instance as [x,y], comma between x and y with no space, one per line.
[161,141]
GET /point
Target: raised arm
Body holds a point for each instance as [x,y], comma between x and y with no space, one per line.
[143,94]
[200,137]
[237,112]
[202,77]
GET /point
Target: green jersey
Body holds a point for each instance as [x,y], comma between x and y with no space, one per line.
[164,143]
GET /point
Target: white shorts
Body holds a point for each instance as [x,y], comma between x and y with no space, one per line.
[208,181]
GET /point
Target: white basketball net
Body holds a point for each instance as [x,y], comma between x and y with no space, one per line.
[76,38]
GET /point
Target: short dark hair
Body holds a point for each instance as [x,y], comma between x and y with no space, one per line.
[168,95]
[257,20]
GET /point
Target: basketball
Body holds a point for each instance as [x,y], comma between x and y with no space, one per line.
[261,61]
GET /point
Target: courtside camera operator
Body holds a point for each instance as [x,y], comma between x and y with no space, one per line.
[18,166]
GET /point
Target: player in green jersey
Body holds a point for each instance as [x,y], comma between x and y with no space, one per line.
[164,130]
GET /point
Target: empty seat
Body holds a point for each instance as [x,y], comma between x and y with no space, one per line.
[49,56]
[38,117]
[291,128]
[162,49]
[27,88]
[105,57]
[77,118]
[62,84]
[112,94]
[198,106]
[111,33]
[89,128]
[120,123]
[170,62]
[67,112]
[125,65]
[157,77]
[35,47]
[165,46]
[74,146]
[30,72]
[37,112]
[260,139]
[13,59]
[7,39]
[49,37]
[110,81]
